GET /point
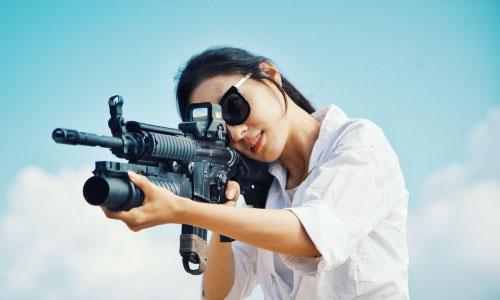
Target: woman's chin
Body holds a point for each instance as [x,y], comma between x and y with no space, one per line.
[267,157]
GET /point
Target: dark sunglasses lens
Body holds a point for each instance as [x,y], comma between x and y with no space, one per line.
[235,109]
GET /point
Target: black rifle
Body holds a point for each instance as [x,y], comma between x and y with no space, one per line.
[193,161]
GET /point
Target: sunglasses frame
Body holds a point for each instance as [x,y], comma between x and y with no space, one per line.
[234,90]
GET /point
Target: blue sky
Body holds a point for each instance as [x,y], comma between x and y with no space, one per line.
[426,71]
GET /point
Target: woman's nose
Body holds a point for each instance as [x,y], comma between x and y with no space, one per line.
[237,132]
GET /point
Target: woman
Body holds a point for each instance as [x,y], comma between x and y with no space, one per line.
[334,226]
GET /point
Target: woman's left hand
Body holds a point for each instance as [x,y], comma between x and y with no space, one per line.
[160,206]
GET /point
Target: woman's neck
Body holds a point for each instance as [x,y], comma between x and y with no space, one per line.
[303,131]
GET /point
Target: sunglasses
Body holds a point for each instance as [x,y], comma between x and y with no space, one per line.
[235,107]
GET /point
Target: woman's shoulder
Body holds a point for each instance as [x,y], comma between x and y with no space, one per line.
[362,132]
[341,133]
[337,129]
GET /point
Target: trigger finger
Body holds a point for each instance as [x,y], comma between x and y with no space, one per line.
[232,190]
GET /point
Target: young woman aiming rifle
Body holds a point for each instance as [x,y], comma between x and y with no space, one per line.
[334,226]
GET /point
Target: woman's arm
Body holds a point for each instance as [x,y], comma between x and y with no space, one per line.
[218,277]
[275,230]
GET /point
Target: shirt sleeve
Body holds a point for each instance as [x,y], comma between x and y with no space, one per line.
[342,204]
[245,270]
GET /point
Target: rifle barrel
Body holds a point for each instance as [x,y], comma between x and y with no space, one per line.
[74,137]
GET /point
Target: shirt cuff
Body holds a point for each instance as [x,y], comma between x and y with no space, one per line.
[313,219]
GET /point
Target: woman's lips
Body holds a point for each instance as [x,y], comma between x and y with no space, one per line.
[259,143]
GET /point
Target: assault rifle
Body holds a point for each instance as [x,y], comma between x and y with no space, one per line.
[193,161]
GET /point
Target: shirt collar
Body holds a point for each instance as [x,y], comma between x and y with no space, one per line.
[330,118]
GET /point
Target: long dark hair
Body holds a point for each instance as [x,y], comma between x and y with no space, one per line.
[229,61]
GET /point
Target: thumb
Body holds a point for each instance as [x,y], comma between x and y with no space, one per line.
[139,180]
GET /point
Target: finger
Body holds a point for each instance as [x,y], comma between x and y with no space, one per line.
[109,214]
[134,228]
[232,190]
[140,181]
[133,216]
[139,227]
[230,203]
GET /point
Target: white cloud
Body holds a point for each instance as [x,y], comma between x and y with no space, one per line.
[454,233]
[484,146]
[56,246]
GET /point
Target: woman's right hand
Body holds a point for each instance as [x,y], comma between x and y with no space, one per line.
[160,206]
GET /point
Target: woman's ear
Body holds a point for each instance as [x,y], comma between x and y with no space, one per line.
[270,70]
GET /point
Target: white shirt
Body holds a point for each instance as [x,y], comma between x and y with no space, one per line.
[353,205]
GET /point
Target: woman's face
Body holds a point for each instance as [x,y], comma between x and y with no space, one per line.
[263,135]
